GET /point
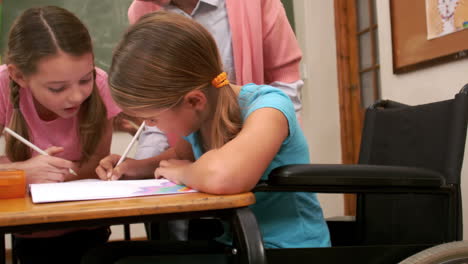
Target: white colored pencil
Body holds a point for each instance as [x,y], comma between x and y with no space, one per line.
[31,145]
[137,134]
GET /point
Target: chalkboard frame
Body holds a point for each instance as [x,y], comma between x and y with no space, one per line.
[411,48]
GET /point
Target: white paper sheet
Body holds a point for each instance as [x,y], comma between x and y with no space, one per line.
[97,189]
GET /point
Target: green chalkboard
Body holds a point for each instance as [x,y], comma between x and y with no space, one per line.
[289,7]
[106,20]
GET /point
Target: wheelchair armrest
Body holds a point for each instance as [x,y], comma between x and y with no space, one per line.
[346,178]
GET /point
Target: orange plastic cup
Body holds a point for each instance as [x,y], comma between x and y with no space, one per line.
[12,184]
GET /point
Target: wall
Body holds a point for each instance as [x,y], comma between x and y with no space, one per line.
[423,86]
[315,30]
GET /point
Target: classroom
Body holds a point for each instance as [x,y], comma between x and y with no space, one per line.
[344,64]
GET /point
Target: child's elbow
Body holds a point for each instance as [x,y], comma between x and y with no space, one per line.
[225,181]
[221,187]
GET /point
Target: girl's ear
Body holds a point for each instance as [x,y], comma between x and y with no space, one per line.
[196,100]
[16,75]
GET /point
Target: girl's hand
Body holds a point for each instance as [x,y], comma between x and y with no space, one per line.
[173,170]
[46,169]
[106,171]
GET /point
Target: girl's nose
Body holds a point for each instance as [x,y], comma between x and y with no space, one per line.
[77,95]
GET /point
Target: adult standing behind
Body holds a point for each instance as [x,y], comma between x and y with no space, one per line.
[255,40]
[256,44]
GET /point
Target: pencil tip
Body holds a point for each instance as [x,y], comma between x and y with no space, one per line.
[73,172]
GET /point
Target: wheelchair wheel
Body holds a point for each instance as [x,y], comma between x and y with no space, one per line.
[448,253]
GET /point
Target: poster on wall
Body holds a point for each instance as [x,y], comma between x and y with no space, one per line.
[444,17]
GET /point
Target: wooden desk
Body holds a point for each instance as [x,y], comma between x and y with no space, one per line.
[18,215]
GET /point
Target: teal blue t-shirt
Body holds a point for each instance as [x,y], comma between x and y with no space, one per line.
[286,219]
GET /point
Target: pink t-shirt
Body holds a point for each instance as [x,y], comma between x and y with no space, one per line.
[59,132]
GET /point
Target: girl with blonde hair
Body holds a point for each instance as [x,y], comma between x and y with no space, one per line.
[167,70]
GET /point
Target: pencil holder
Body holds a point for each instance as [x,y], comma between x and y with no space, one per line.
[12,184]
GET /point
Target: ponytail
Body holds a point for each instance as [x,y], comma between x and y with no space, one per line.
[16,150]
[227,120]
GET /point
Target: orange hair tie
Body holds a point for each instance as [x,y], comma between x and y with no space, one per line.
[220,80]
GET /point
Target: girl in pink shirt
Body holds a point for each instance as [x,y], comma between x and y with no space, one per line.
[52,94]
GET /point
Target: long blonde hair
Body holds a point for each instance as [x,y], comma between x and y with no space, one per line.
[38,33]
[163,57]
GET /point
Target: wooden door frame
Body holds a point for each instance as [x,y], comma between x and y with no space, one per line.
[351,113]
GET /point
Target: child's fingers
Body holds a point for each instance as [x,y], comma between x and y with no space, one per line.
[52,151]
[108,162]
[101,173]
[56,173]
[59,162]
[106,169]
[107,175]
[163,163]
[115,176]
[49,176]
[57,170]
[162,173]
[55,177]
[159,173]
[117,172]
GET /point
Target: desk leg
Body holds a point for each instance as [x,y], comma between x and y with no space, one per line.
[2,248]
[127,232]
[247,237]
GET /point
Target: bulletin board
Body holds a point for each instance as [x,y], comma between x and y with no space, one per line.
[411,48]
